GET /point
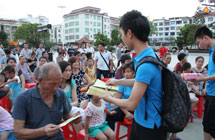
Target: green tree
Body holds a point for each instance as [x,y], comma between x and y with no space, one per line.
[198,18]
[30,34]
[153,28]
[101,38]
[115,37]
[186,35]
[3,38]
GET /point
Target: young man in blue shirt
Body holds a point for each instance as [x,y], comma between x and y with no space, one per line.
[135,30]
[204,38]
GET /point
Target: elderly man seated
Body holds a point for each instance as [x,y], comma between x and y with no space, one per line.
[38,111]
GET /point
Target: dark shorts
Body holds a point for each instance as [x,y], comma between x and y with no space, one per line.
[139,132]
[209,116]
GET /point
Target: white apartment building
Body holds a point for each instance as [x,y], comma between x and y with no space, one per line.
[56,34]
[85,22]
[9,26]
[39,20]
[168,30]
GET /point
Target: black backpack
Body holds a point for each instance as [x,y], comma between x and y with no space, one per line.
[176,109]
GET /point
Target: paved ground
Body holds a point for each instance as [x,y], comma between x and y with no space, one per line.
[194,131]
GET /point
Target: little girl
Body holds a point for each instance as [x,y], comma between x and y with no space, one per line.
[95,125]
[90,69]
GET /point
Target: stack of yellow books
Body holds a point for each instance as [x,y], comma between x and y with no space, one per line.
[99,87]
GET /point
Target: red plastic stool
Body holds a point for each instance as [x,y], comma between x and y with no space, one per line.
[69,132]
[30,85]
[125,123]
[81,135]
[105,79]
[5,104]
[200,107]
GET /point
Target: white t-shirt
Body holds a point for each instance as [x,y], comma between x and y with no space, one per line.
[101,63]
[91,49]
[82,50]
[16,77]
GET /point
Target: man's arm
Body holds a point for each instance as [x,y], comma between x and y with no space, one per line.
[205,79]
[130,104]
[121,82]
[24,133]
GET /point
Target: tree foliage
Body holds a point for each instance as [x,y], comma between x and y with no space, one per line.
[3,38]
[101,38]
[198,18]
[29,33]
[115,37]
[186,34]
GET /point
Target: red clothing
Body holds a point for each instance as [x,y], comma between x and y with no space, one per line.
[162,51]
[178,68]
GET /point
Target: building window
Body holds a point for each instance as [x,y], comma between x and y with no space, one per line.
[98,18]
[70,30]
[160,29]
[86,22]
[185,21]
[178,22]
[87,36]
[77,36]
[87,30]
[210,19]
[161,39]
[59,35]
[72,37]
[94,30]
[59,30]
[76,16]
[59,40]
[172,33]
[161,24]
[155,24]
[76,30]
[166,23]
[160,34]
[166,33]
[72,17]
[178,28]
[172,22]
[94,17]
[66,25]
[172,28]
[105,26]
[71,24]
[94,23]
[86,16]
[98,24]
[99,30]
[66,37]
[77,23]
[66,31]
[167,28]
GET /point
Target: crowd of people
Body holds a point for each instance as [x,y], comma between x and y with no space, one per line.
[58,95]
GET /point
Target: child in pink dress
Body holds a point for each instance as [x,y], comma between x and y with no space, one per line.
[95,125]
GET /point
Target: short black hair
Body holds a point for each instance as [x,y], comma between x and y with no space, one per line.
[83,53]
[166,54]
[11,58]
[89,55]
[181,56]
[123,59]
[44,52]
[7,51]
[137,23]
[197,58]
[9,69]
[102,44]
[43,57]
[202,31]
[186,66]
[129,65]
[90,59]
[33,53]
[76,53]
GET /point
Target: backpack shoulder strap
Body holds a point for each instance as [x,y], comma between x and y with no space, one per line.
[150,59]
